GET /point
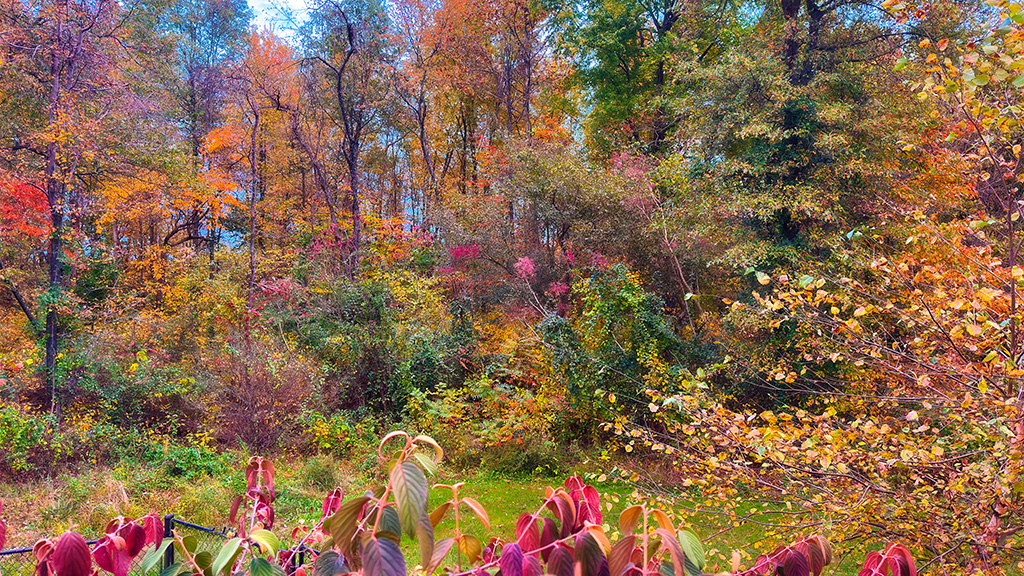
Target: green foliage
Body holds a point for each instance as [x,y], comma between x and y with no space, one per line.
[487,423]
[329,435]
[600,351]
[20,434]
[193,461]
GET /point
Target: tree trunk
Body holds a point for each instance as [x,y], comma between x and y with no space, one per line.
[56,196]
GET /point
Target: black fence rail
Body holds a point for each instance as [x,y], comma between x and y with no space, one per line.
[207,539]
[21,561]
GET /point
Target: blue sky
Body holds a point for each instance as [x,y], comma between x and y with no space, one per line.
[268,12]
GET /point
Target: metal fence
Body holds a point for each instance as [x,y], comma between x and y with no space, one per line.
[21,561]
[207,539]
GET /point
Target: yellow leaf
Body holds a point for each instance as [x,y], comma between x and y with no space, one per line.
[988,294]
[860,312]
[974,329]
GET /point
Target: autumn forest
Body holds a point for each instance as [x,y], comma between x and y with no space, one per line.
[758,255]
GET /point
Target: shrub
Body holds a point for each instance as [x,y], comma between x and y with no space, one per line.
[193,460]
[319,473]
[325,434]
[260,388]
[21,435]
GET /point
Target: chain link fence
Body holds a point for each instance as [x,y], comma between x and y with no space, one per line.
[21,561]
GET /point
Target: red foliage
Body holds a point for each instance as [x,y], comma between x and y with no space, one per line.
[23,210]
[123,542]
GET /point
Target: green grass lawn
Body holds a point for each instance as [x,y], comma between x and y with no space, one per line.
[88,499]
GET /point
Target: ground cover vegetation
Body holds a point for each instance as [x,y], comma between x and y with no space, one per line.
[761,257]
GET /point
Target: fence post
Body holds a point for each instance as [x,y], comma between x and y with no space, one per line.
[168,533]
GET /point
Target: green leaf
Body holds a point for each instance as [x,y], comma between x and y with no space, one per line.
[342,524]
[1019,82]
[228,554]
[260,567]
[900,64]
[204,560]
[693,549]
[171,570]
[155,556]
[381,557]
[668,541]
[426,462]
[330,563]
[968,74]
[189,543]
[981,80]
[389,522]
[425,535]
[410,488]
[267,540]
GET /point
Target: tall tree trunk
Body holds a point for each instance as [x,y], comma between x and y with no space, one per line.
[56,196]
[254,189]
[353,180]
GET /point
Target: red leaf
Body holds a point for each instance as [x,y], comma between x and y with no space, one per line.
[532,567]
[796,564]
[902,558]
[134,539]
[573,484]
[233,514]
[565,514]
[589,555]
[590,506]
[560,562]
[111,555]
[621,554]
[42,550]
[3,532]
[332,502]
[104,553]
[511,561]
[71,556]
[871,564]
[154,528]
[527,533]
[548,534]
